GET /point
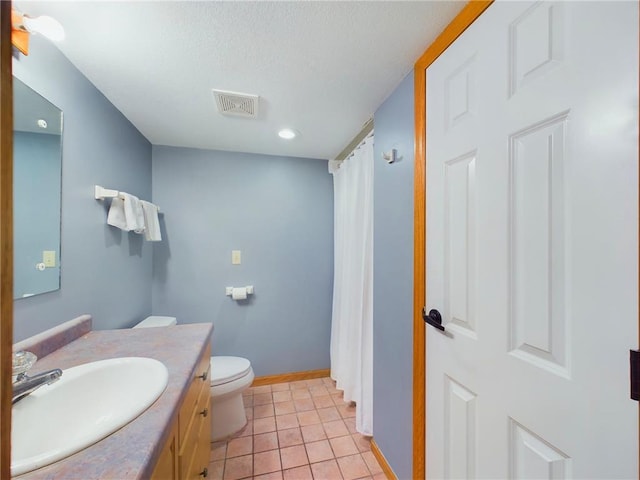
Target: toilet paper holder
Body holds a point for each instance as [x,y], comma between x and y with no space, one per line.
[229,290]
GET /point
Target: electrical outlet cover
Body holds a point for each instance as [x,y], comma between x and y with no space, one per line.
[49,258]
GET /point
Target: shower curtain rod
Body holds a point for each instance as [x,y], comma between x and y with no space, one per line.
[357,140]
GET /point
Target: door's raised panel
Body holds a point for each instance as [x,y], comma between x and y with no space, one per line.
[535,43]
[539,320]
[460,101]
[459,430]
[533,457]
[460,243]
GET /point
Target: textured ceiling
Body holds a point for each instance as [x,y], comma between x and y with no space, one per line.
[321,68]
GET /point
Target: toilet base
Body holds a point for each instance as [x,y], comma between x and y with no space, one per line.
[227,417]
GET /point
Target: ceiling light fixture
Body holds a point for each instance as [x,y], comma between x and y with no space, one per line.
[46,26]
[22,26]
[287,134]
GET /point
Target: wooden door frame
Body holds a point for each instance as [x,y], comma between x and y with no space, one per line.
[459,24]
[6,236]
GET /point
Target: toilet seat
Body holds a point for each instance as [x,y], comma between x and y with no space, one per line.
[228,369]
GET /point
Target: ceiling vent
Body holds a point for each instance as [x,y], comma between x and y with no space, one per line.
[237,104]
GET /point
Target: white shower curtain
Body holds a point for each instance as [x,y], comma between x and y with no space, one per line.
[352,318]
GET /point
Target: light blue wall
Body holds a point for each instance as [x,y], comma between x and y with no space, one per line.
[393,280]
[36,208]
[279,212]
[105,272]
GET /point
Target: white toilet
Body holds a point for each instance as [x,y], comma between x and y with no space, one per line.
[230,376]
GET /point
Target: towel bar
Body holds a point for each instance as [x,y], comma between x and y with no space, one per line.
[100,193]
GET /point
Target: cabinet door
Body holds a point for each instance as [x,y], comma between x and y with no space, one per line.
[167,466]
[203,448]
[195,425]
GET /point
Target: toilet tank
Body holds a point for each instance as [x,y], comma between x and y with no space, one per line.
[156,321]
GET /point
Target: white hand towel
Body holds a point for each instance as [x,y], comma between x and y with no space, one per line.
[133,213]
[126,213]
[152,224]
[116,215]
[138,215]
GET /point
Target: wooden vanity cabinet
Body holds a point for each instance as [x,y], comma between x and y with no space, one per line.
[185,456]
[167,466]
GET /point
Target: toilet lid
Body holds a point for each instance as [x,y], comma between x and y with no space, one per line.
[228,369]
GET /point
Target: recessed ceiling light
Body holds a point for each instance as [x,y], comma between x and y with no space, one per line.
[287,133]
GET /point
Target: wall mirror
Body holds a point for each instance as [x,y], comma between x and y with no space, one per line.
[37,181]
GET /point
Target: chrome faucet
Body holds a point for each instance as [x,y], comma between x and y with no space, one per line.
[23,384]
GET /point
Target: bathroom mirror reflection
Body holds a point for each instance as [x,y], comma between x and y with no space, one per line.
[37,173]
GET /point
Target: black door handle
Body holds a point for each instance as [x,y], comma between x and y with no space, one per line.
[434,318]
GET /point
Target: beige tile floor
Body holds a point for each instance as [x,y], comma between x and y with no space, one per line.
[296,431]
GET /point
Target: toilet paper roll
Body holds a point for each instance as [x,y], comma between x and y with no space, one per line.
[239,293]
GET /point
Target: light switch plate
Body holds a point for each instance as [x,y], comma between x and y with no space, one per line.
[49,258]
[236,257]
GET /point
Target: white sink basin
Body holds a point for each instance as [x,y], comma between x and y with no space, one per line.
[88,403]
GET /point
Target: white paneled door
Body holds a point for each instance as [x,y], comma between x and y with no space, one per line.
[532,244]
